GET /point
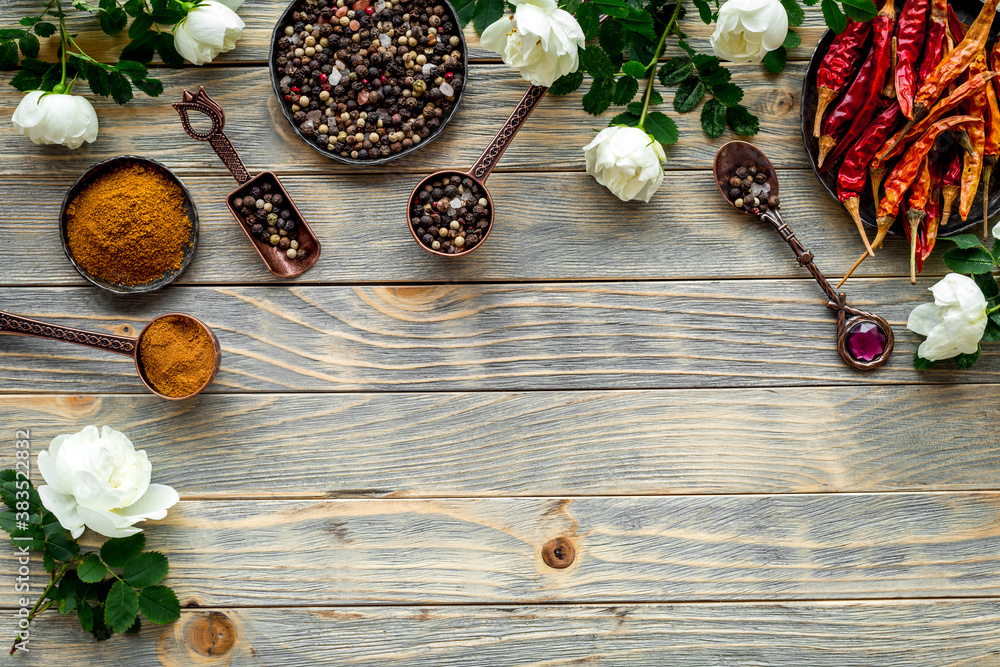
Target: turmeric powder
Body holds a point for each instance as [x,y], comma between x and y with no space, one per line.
[129,226]
[177,355]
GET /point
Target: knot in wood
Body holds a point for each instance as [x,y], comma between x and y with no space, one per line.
[558,553]
[211,634]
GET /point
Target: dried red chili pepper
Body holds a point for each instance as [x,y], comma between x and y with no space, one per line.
[853,174]
[956,62]
[838,66]
[935,40]
[916,213]
[991,149]
[950,181]
[910,35]
[930,231]
[972,167]
[858,103]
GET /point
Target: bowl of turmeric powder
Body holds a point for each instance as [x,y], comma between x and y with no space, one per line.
[129,225]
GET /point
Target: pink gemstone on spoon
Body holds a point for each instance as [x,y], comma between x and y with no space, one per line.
[866,341]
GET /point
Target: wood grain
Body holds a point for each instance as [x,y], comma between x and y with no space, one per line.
[847,439]
[639,549]
[552,139]
[500,337]
[578,231]
[260,17]
[953,633]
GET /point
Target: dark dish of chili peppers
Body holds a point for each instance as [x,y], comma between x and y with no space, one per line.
[902,119]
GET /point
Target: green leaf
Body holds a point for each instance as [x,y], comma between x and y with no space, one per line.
[85,614]
[922,364]
[167,50]
[635,108]
[987,284]
[91,569]
[48,563]
[140,25]
[741,121]
[594,60]
[713,118]
[159,605]
[598,98]
[640,23]
[792,40]
[146,569]
[566,84]
[625,118]
[662,128]
[119,550]
[168,15]
[114,20]
[487,13]
[45,29]
[152,87]
[588,18]
[860,10]
[29,45]
[625,89]
[615,8]
[688,95]
[61,547]
[834,18]
[967,360]
[84,6]
[135,7]
[8,60]
[729,94]
[655,98]
[775,60]
[969,260]
[121,607]
[611,35]
[704,11]
[795,13]
[12,33]
[964,240]
[634,69]
[711,71]
[992,332]
[464,8]
[29,21]
[676,70]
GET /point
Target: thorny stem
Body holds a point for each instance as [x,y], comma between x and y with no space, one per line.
[64,38]
[39,606]
[671,26]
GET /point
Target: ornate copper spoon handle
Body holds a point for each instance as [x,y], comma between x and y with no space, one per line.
[484,165]
[29,327]
[200,101]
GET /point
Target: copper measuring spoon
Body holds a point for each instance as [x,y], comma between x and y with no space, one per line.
[480,171]
[275,258]
[864,340]
[125,345]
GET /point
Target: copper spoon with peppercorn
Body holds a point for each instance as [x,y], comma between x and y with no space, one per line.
[864,340]
[478,174]
[124,345]
[284,257]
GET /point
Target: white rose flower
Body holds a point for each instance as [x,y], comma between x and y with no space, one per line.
[626,161]
[539,40]
[954,323]
[996,231]
[209,29]
[49,118]
[97,480]
[747,29]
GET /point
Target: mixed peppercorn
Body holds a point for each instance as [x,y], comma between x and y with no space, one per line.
[450,214]
[908,103]
[269,216]
[367,80]
[750,191]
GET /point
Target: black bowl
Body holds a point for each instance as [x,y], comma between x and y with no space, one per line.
[967,11]
[276,76]
[102,168]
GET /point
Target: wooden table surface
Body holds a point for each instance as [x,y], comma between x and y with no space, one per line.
[393,437]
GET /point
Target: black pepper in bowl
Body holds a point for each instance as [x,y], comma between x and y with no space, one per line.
[269,217]
[450,213]
[368,80]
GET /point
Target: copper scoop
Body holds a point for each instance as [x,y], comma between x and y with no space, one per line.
[120,344]
[276,258]
[478,174]
[863,340]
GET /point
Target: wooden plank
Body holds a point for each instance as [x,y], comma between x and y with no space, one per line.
[851,439]
[260,17]
[552,138]
[628,550]
[579,231]
[835,634]
[548,336]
